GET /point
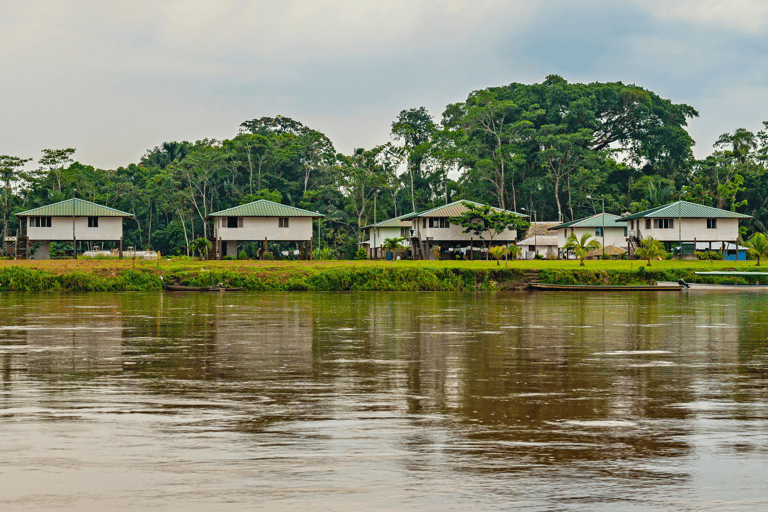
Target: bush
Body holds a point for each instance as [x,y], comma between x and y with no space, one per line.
[228,257]
[709,255]
[242,256]
[267,256]
[361,254]
[324,254]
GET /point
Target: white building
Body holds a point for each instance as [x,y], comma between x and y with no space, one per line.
[75,220]
[261,221]
[683,223]
[602,227]
[432,228]
[539,240]
[377,233]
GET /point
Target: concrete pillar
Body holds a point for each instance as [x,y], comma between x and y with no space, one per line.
[43,251]
[232,248]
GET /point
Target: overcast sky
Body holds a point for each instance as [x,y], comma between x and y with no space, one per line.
[115,78]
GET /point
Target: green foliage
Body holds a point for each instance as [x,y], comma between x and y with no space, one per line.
[709,255]
[393,244]
[325,253]
[361,254]
[651,249]
[758,246]
[228,257]
[200,246]
[242,255]
[267,256]
[582,246]
[497,252]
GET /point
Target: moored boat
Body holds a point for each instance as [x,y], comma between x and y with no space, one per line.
[217,288]
[604,288]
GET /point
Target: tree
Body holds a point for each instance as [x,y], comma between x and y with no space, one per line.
[415,128]
[486,222]
[581,246]
[497,253]
[54,161]
[201,246]
[758,246]
[651,249]
[10,169]
[393,244]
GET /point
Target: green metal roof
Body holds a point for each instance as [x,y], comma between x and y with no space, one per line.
[264,208]
[396,222]
[595,221]
[82,208]
[684,209]
[452,210]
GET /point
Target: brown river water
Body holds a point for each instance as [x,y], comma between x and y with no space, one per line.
[384,401]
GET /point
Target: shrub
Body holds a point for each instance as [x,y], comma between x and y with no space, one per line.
[228,257]
[242,256]
[361,254]
[709,255]
[267,256]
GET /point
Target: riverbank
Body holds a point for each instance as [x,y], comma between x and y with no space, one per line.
[129,275]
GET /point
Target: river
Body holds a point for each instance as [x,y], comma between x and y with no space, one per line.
[384,401]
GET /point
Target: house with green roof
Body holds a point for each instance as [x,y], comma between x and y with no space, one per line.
[73,220]
[432,228]
[261,221]
[397,227]
[682,223]
[601,226]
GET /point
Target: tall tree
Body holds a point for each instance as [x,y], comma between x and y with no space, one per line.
[10,173]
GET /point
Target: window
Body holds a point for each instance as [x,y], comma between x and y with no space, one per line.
[283,222]
[424,222]
[647,223]
[439,222]
[663,223]
[598,231]
[711,223]
[93,222]
[39,222]
[405,232]
[234,222]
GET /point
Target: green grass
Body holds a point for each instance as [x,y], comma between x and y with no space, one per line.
[128,275]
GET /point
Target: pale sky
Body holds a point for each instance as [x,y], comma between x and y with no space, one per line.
[114,78]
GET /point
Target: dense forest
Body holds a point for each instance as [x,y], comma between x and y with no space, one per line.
[560,150]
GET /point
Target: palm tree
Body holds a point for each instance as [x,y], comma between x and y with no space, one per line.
[758,246]
[201,245]
[581,247]
[497,253]
[651,249]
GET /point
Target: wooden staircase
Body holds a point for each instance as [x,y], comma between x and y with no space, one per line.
[416,248]
[21,250]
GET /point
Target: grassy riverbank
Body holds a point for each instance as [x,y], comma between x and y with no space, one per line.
[127,275]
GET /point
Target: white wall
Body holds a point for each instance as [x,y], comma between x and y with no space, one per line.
[613,236]
[692,229]
[455,233]
[110,228]
[258,228]
[384,233]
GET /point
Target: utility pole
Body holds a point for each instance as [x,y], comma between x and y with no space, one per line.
[74,238]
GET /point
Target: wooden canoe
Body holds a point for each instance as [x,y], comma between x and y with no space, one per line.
[604,288]
[180,288]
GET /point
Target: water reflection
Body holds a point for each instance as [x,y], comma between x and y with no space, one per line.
[389,400]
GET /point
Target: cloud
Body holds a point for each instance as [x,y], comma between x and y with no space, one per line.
[114,79]
[746,16]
